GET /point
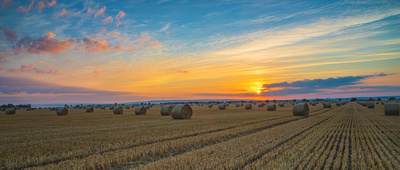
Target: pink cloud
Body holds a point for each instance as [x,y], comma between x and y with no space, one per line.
[10,35]
[45,44]
[62,13]
[120,15]
[118,47]
[108,19]
[31,68]
[89,10]
[133,48]
[154,43]
[4,55]
[148,66]
[143,39]
[50,4]
[25,10]
[69,61]
[1,68]
[40,5]
[92,45]
[100,12]
[5,3]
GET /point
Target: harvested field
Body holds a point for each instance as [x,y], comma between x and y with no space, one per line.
[344,136]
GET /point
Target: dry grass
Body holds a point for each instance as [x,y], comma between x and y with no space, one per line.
[233,138]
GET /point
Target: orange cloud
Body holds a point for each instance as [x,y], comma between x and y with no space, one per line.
[108,19]
[91,45]
[154,43]
[25,10]
[98,72]
[122,70]
[50,4]
[118,47]
[62,13]
[133,48]
[69,61]
[89,10]
[40,5]
[45,44]
[115,33]
[100,12]
[148,66]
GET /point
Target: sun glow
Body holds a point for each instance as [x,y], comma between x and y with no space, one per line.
[257,88]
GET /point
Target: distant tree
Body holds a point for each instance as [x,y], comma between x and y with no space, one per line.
[294,100]
[340,99]
[115,104]
[379,99]
[305,100]
[392,98]
[266,100]
[370,99]
[353,99]
[274,100]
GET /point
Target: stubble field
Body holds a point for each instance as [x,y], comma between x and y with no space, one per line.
[342,137]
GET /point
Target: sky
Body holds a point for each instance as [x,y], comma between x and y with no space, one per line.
[86,51]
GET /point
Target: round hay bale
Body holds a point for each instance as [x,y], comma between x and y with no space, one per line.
[392,109]
[141,110]
[227,104]
[127,107]
[10,112]
[111,107]
[210,105]
[237,105]
[363,103]
[271,107]
[260,104]
[371,105]
[248,106]
[147,106]
[89,110]
[166,110]
[313,104]
[242,104]
[118,111]
[282,104]
[337,104]
[3,109]
[62,111]
[326,104]
[103,108]
[182,111]
[222,106]
[301,109]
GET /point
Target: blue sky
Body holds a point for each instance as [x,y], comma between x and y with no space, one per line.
[181,49]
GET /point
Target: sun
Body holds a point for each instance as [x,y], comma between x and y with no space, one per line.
[257,88]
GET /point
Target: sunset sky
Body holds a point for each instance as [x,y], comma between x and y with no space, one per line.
[86,51]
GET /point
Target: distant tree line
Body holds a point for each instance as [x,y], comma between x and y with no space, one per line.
[20,106]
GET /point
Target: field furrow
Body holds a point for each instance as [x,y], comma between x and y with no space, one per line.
[238,152]
[156,151]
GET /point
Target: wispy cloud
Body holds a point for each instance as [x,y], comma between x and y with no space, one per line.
[166,27]
[31,68]
[26,9]
[100,12]
[108,19]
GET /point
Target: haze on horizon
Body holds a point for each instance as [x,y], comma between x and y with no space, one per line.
[85,51]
